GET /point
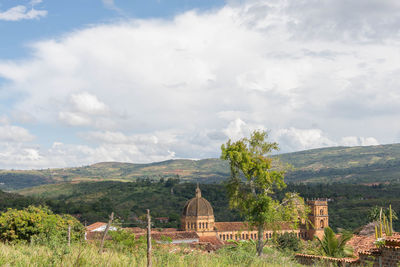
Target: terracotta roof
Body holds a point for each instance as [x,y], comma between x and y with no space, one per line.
[135,230]
[337,260]
[214,240]
[393,241]
[95,225]
[243,226]
[362,243]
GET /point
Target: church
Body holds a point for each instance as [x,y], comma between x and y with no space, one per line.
[198,216]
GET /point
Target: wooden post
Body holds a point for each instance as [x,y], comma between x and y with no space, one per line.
[105,232]
[148,239]
[69,235]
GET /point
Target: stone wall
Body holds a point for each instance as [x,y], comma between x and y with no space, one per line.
[386,256]
[313,260]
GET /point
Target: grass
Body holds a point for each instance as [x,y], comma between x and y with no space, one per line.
[87,255]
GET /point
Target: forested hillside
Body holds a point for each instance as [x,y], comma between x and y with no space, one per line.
[365,165]
[348,203]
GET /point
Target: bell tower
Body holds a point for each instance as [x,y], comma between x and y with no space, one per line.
[318,217]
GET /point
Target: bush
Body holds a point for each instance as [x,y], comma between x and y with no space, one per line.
[123,240]
[38,224]
[288,241]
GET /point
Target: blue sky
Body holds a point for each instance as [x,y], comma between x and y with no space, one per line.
[68,15]
[141,81]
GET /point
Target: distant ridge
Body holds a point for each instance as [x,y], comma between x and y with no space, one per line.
[366,165]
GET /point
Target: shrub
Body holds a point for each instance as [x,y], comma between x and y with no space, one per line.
[38,224]
[288,241]
[123,240]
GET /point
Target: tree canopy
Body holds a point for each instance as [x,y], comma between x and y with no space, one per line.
[255,177]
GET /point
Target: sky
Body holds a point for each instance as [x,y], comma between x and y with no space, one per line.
[143,81]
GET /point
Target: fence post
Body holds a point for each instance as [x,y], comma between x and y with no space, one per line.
[69,235]
[105,232]
[148,239]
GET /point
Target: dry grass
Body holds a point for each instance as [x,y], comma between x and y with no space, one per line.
[87,255]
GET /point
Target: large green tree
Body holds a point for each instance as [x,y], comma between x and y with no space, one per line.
[255,176]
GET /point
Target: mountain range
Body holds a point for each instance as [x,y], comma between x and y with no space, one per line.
[357,165]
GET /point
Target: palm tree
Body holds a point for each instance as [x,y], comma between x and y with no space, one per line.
[332,246]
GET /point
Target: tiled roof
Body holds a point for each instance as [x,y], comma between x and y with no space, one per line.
[337,260]
[243,226]
[95,226]
[393,241]
[135,230]
[365,244]
[214,240]
[198,206]
[362,243]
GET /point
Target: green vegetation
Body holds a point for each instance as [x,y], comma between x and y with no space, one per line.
[288,241]
[349,204]
[36,237]
[333,246]
[38,224]
[175,256]
[367,165]
[253,181]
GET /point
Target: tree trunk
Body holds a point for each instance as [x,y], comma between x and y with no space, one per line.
[260,243]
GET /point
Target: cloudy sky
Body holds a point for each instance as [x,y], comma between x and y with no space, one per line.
[142,81]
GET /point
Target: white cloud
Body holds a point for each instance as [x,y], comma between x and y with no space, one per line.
[74,119]
[10,133]
[88,103]
[358,141]
[22,12]
[293,139]
[316,73]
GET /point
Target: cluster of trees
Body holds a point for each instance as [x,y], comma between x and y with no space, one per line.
[349,204]
[39,225]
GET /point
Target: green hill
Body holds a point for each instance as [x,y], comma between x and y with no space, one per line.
[367,165]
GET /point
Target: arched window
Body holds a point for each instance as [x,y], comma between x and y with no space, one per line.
[203,226]
[321,212]
[266,235]
[247,236]
[188,226]
[270,235]
[223,237]
[207,225]
[322,223]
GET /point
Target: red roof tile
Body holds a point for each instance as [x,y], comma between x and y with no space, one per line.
[95,225]
[243,226]
[214,240]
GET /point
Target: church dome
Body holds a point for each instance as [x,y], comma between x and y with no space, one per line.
[198,206]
